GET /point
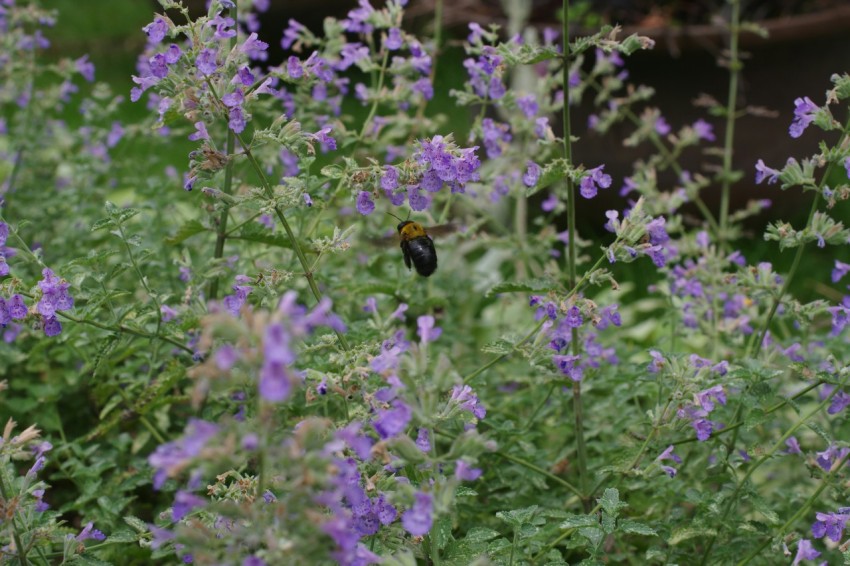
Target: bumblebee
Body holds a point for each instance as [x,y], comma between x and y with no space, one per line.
[417,246]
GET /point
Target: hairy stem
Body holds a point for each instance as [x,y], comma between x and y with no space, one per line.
[731,114]
[581,449]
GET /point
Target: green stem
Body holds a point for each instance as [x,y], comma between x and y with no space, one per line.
[126,330]
[731,103]
[141,277]
[581,449]
[221,232]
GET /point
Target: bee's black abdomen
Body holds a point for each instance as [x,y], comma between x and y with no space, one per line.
[422,254]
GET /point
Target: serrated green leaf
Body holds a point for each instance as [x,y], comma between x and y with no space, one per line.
[610,501]
[516,517]
[529,286]
[258,233]
[594,535]
[136,523]
[578,521]
[498,347]
[463,491]
[333,171]
[186,231]
[477,535]
[101,224]
[687,533]
[123,535]
[633,527]
[762,506]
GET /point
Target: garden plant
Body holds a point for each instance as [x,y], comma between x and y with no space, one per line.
[230,356]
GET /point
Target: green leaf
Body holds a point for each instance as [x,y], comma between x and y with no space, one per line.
[463,491]
[529,286]
[593,534]
[578,521]
[517,517]
[610,501]
[633,527]
[764,508]
[477,535]
[687,533]
[123,535]
[333,172]
[136,523]
[186,231]
[498,347]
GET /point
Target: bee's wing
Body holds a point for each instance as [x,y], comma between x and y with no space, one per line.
[385,241]
[442,229]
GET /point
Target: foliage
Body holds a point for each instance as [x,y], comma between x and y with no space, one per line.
[224,366]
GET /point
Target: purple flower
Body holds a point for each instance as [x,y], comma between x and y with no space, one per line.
[294,67]
[394,39]
[841,269]
[185,503]
[703,428]
[206,61]
[528,105]
[573,318]
[847,166]
[532,174]
[466,398]
[662,128]
[54,294]
[392,421]
[704,130]
[236,121]
[243,76]
[668,455]
[839,403]
[707,398]
[52,326]
[364,203]
[389,180]
[169,458]
[90,532]
[423,440]
[829,456]
[804,114]
[464,472]
[426,329]
[156,30]
[290,34]
[793,445]
[594,179]
[323,138]
[254,47]
[226,357]
[17,307]
[200,132]
[85,68]
[418,519]
[830,525]
[550,203]
[764,172]
[805,551]
[567,365]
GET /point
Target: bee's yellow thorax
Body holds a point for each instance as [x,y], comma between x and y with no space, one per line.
[412,231]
